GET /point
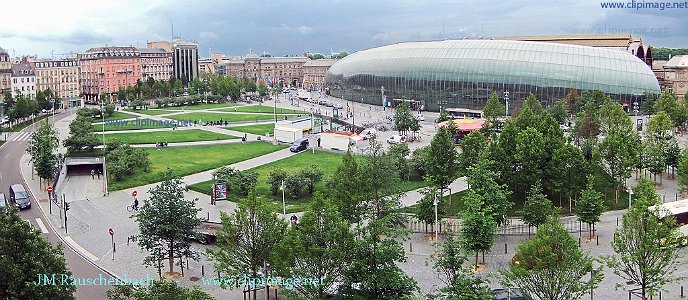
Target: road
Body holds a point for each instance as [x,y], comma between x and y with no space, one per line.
[10,156]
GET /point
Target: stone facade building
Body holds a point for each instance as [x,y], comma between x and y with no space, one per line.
[314,72]
[23,81]
[5,71]
[61,76]
[155,63]
[676,75]
[106,69]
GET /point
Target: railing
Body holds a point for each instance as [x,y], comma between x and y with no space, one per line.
[512,226]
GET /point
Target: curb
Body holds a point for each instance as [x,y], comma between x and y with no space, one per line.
[58,233]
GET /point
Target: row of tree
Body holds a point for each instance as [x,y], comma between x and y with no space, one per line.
[21,107]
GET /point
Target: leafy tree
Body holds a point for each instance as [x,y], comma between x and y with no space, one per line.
[276,180]
[317,248]
[566,171]
[25,254]
[482,181]
[403,118]
[648,104]
[682,170]
[533,103]
[558,111]
[347,188]
[43,150]
[620,147]
[81,136]
[247,239]
[529,159]
[312,176]
[493,107]
[167,223]
[418,163]
[243,180]
[444,116]
[398,153]
[442,162]
[460,282]
[644,250]
[157,290]
[477,226]
[572,100]
[537,207]
[472,146]
[426,206]
[262,89]
[123,160]
[340,54]
[590,206]
[654,159]
[552,266]
[659,128]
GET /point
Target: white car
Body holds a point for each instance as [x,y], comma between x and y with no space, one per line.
[368,132]
[396,139]
[420,117]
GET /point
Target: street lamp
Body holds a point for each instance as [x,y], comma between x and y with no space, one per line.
[630,195]
[435,203]
[506,99]
[382,91]
[284,205]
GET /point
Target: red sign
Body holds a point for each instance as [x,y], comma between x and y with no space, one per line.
[112,232]
[50,189]
[134,193]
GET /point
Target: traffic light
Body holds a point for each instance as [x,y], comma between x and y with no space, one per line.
[66,206]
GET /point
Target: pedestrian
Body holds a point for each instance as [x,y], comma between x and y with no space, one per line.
[93,174]
[318,142]
[99,173]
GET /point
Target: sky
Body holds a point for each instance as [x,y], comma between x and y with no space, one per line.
[49,28]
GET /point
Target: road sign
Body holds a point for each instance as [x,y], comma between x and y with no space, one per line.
[112,232]
[134,193]
[50,189]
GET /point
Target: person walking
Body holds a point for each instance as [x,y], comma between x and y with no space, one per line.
[93,174]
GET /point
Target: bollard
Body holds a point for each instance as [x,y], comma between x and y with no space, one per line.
[681,291]
[617,221]
[579,242]
[598,239]
[182,265]
[218,275]
[208,218]
[127,241]
[504,248]
[410,246]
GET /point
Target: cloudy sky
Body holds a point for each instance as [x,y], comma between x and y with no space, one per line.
[47,27]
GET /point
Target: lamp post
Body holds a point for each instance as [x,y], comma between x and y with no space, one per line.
[284,205]
[506,99]
[630,195]
[435,203]
[382,91]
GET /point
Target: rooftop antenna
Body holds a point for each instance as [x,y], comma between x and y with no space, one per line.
[172,25]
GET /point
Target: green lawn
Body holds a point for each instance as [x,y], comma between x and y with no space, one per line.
[603,184]
[326,161]
[259,129]
[210,117]
[115,116]
[184,161]
[264,109]
[200,106]
[27,123]
[2,142]
[131,125]
[150,112]
[176,136]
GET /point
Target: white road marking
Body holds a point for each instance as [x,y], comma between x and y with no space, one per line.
[41,225]
[81,249]
[8,155]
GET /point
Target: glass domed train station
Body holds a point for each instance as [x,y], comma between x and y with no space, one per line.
[463,73]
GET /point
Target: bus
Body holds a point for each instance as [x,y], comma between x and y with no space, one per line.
[464,113]
[678,210]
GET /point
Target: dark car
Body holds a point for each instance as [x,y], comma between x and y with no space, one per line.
[19,197]
[299,145]
[509,294]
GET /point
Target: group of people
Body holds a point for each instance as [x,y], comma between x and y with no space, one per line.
[95,173]
[217,123]
[161,144]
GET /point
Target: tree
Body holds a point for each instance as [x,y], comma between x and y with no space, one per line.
[558,111]
[537,207]
[460,282]
[347,188]
[317,248]
[620,147]
[123,160]
[566,171]
[644,250]
[654,159]
[398,153]
[442,162]
[247,239]
[551,266]
[403,118]
[482,181]
[243,180]
[25,254]
[444,116]
[43,150]
[659,128]
[167,223]
[81,136]
[262,89]
[477,225]
[472,146]
[590,205]
[682,170]
[157,290]
[572,100]
[493,107]
[529,159]
[533,103]
[426,206]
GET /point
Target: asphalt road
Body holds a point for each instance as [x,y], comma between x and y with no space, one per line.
[10,156]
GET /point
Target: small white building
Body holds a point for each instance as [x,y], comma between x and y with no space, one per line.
[23,81]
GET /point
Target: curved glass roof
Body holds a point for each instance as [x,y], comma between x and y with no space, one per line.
[506,62]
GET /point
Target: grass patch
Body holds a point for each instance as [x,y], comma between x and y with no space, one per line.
[603,184]
[326,161]
[115,116]
[212,117]
[132,125]
[259,129]
[2,142]
[264,109]
[177,136]
[201,106]
[150,112]
[27,123]
[184,161]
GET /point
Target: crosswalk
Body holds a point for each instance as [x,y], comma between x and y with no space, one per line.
[19,136]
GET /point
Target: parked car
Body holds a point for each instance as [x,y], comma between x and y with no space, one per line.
[19,197]
[420,117]
[299,145]
[367,133]
[565,128]
[396,139]
[3,202]
[509,294]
